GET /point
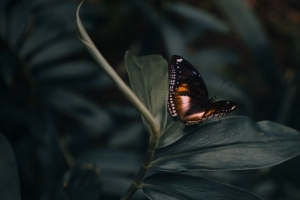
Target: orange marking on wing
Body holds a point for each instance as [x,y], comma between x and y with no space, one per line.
[208,113]
[183,88]
[193,117]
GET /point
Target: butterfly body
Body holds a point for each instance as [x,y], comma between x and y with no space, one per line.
[188,96]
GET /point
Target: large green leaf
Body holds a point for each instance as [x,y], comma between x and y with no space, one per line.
[175,186]
[9,181]
[173,131]
[235,143]
[149,79]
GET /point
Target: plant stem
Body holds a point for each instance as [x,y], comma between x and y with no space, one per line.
[155,130]
[66,151]
[136,184]
[127,92]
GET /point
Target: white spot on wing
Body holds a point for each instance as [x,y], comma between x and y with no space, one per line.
[179,60]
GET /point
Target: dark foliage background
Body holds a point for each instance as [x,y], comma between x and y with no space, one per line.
[72,133]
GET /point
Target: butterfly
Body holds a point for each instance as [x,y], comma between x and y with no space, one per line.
[188,96]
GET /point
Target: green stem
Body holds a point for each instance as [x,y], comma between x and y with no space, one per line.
[66,151]
[155,130]
[127,92]
[136,184]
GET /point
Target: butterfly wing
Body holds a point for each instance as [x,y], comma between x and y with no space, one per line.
[186,87]
[188,96]
[213,109]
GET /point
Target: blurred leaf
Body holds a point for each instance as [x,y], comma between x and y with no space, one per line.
[202,18]
[13,20]
[61,13]
[3,18]
[91,117]
[175,186]
[55,192]
[76,74]
[55,51]
[56,14]
[119,111]
[40,36]
[117,168]
[77,184]
[149,79]
[10,113]
[245,22]
[248,27]
[112,163]
[151,14]
[8,172]
[17,24]
[236,143]
[42,127]
[8,67]
[133,136]
[212,58]
[52,160]
[174,39]
[121,183]
[41,124]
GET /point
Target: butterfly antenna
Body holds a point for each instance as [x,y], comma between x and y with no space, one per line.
[219,88]
[225,89]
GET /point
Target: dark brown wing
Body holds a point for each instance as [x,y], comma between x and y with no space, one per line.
[185,81]
[188,97]
[213,109]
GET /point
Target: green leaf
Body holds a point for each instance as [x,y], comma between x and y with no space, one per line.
[149,79]
[8,172]
[175,186]
[234,144]
[173,131]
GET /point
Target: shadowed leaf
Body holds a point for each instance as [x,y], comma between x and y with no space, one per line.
[175,186]
[234,144]
[149,79]
[9,181]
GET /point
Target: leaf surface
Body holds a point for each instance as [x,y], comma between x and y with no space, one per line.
[234,144]
[149,79]
[182,187]
[9,181]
